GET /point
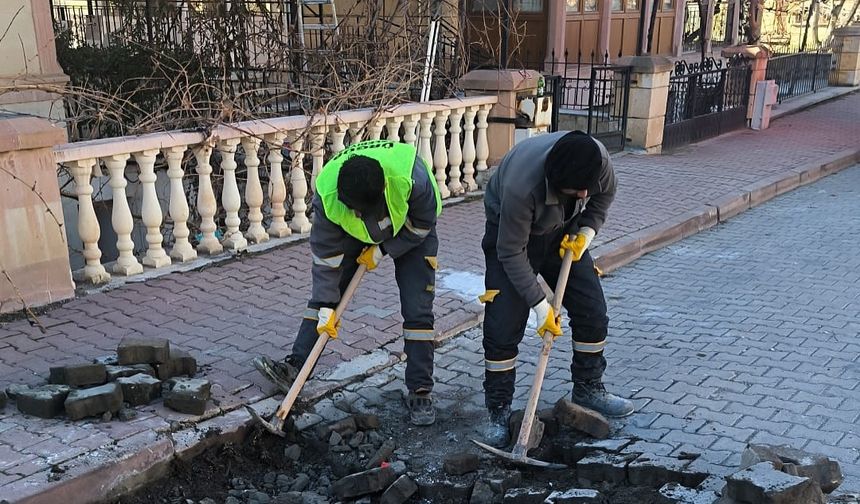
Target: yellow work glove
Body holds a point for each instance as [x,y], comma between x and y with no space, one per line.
[328,323]
[547,319]
[370,257]
[578,244]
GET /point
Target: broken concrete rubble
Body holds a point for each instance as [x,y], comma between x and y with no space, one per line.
[656,470]
[382,454]
[608,467]
[78,375]
[133,350]
[435,489]
[458,464]
[482,494]
[400,491]
[44,402]
[760,483]
[824,471]
[680,494]
[363,483]
[187,395]
[139,389]
[178,363]
[582,419]
[500,480]
[575,496]
[526,495]
[93,401]
[115,372]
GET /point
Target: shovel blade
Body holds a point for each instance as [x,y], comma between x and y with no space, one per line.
[522,460]
[274,429]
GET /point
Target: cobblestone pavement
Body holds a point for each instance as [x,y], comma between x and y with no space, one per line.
[746,333]
[227,313]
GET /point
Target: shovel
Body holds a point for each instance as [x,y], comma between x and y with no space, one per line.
[276,427]
[519,454]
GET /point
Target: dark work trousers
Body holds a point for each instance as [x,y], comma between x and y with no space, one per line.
[506,315]
[415,272]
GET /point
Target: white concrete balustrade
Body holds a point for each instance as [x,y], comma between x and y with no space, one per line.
[190,217]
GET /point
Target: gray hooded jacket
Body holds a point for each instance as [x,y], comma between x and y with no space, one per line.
[520,202]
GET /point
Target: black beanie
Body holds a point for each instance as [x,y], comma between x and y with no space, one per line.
[361,184]
[574,162]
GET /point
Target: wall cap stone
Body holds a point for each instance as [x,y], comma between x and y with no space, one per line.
[22,132]
[852,30]
[747,51]
[647,64]
[499,80]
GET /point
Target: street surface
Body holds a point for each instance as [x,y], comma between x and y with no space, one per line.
[746,333]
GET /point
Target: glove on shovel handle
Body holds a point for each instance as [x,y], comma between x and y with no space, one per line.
[317,350]
[521,447]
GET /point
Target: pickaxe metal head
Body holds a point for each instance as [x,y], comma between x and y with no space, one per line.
[277,428]
[521,459]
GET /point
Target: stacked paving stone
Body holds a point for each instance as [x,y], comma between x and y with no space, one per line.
[142,371]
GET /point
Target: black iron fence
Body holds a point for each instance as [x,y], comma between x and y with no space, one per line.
[799,74]
[589,93]
[705,100]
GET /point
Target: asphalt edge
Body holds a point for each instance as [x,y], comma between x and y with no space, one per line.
[106,482]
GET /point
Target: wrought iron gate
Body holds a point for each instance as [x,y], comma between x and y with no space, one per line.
[705,100]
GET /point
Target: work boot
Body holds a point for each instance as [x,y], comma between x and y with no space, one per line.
[496,430]
[593,395]
[421,410]
[282,374]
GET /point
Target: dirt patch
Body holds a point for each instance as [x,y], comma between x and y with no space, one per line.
[305,467]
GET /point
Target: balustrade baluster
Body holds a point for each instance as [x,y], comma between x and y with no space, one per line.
[337,133]
[88,224]
[207,203]
[483,147]
[151,211]
[375,128]
[409,125]
[355,133]
[254,191]
[299,222]
[469,149]
[121,220]
[455,153]
[230,197]
[182,250]
[425,134]
[393,127]
[317,152]
[277,188]
[440,154]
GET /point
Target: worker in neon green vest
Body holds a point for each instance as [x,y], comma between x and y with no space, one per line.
[373,199]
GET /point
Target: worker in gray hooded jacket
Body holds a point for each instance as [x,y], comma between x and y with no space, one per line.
[550,194]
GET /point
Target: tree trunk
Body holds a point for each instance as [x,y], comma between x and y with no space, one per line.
[812,5]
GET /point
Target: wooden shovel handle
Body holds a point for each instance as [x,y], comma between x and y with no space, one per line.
[521,447]
[318,348]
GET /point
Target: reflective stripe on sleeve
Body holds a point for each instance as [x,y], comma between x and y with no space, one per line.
[417,231]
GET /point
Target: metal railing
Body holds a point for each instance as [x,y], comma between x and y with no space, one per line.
[589,87]
[705,99]
[800,73]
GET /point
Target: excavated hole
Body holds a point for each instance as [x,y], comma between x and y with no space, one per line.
[259,471]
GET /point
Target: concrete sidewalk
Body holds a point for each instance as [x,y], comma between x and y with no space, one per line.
[230,312]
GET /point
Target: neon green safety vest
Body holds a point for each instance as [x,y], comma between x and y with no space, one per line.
[397,160]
